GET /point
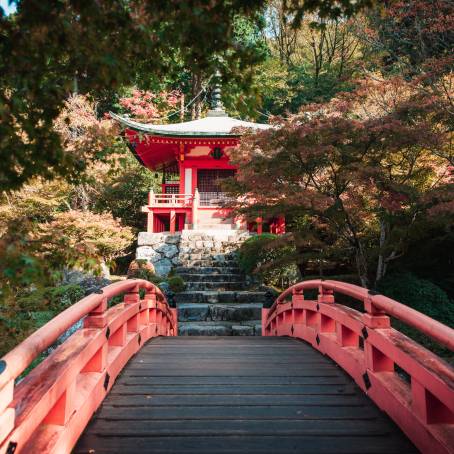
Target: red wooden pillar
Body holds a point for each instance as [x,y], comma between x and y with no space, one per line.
[150,222]
[280,225]
[259,221]
[172,221]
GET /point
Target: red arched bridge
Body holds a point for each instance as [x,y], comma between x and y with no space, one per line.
[355,385]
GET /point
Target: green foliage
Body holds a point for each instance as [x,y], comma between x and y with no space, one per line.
[425,297]
[265,257]
[176,284]
[53,299]
[430,254]
[420,294]
[308,89]
[49,48]
[33,309]
[125,192]
[252,251]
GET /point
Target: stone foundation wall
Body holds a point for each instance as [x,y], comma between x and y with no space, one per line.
[161,249]
[166,251]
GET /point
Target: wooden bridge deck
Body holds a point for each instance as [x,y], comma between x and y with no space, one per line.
[237,395]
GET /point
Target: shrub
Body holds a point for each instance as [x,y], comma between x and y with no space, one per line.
[271,261]
[176,284]
[65,296]
[423,296]
[420,294]
[32,311]
[51,298]
[142,269]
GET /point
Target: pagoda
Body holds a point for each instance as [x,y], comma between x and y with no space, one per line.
[194,158]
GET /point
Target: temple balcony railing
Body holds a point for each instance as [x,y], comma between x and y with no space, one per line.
[206,199]
[170,200]
[176,203]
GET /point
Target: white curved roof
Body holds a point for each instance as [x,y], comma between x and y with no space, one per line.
[216,123]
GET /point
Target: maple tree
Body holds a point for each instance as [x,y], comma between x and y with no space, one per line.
[146,106]
[362,165]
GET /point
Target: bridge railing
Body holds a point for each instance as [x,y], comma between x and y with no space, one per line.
[410,383]
[48,410]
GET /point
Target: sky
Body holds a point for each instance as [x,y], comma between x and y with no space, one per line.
[7,8]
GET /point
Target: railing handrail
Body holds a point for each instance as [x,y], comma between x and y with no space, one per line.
[172,195]
[61,393]
[169,199]
[20,357]
[425,324]
[413,385]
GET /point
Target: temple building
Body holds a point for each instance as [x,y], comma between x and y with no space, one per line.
[193,157]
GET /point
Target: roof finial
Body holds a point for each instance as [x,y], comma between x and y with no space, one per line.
[217,108]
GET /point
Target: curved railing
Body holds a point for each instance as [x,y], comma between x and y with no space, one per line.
[48,410]
[411,384]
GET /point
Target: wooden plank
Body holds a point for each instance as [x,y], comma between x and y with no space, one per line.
[263,390]
[159,428]
[201,400]
[225,371]
[237,395]
[245,444]
[229,380]
[225,412]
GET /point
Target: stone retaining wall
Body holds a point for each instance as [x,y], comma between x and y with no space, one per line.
[166,251]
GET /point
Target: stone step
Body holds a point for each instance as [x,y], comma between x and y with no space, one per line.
[212,277]
[207,270]
[207,263]
[251,328]
[220,286]
[195,247]
[227,297]
[218,312]
[208,255]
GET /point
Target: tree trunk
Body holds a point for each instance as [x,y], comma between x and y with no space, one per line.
[182,108]
[196,109]
[361,266]
[381,259]
[105,271]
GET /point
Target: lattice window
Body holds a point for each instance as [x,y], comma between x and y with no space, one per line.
[208,180]
[172,189]
[209,185]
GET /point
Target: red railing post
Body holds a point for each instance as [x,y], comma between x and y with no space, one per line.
[97,317]
[132,297]
[264,321]
[150,300]
[325,295]
[374,317]
[299,314]
[376,360]
[174,312]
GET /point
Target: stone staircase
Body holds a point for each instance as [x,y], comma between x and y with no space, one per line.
[218,299]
